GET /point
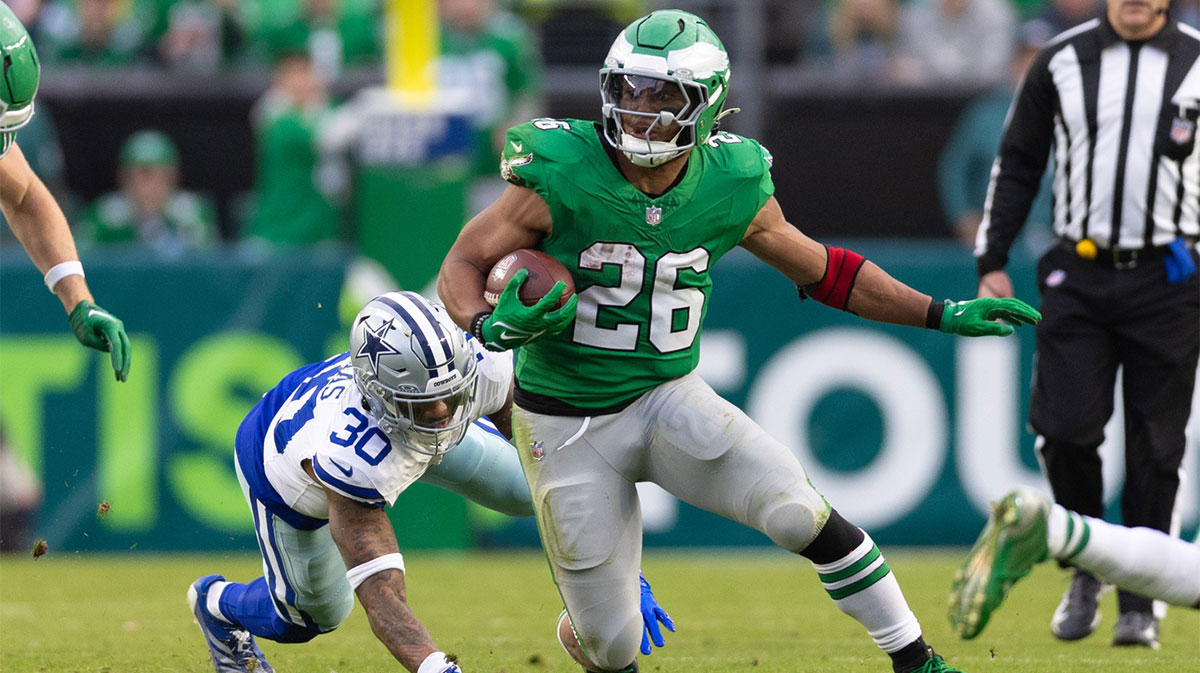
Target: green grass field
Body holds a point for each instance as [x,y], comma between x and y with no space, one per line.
[761,611]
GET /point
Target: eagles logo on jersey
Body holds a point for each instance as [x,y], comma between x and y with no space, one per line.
[507,165]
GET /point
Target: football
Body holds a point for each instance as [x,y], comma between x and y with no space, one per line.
[544,272]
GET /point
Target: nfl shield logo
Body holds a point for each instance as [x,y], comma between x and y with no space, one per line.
[1182,130]
[538,450]
[653,215]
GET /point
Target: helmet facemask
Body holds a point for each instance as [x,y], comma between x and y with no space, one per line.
[640,108]
[427,423]
[415,370]
[667,68]
[14,119]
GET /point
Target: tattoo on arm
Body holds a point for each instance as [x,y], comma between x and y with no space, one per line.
[362,533]
[383,596]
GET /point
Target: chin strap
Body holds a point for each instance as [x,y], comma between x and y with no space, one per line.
[724,114]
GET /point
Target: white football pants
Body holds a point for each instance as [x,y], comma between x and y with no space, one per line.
[304,568]
[682,436]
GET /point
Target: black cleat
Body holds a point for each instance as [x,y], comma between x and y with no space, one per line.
[1077,616]
[1136,628]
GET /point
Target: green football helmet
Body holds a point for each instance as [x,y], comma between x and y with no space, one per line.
[666,68]
[21,73]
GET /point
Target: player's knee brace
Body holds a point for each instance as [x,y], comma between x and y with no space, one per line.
[611,644]
[617,653]
[786,508]
[790,525]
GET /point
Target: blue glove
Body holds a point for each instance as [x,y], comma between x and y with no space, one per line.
[652,615]
[1180,265]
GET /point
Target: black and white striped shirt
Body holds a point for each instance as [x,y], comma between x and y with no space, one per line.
[1121,116]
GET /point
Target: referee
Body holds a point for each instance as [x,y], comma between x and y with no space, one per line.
[1117,99]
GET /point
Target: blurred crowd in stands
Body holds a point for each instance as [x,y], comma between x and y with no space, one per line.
[324,166]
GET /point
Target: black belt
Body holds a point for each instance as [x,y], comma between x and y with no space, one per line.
[1119,258]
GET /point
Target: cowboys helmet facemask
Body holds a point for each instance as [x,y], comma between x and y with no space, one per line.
[20,75]
[415,371]
[676,65]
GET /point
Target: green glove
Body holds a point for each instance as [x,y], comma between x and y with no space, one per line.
[975,317]
[99,329]
[514,324]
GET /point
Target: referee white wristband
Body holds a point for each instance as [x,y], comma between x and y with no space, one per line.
[359,573]
[437,663]
[62,270]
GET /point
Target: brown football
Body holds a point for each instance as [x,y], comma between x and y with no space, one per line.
[544,272]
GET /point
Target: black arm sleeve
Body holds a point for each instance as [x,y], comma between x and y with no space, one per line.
[1024,150]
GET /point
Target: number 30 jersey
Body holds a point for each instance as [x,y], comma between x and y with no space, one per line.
[640,264]
[317,413]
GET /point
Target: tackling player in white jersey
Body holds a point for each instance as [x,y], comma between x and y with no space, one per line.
[336,441]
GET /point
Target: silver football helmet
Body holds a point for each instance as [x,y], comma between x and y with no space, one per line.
[415,370]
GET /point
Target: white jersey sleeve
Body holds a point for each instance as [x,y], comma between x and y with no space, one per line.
[357,460]
[495,378]
[325,421]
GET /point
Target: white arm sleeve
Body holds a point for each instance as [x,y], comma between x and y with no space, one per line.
[495,378]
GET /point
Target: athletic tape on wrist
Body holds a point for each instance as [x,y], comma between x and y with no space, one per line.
[359,573]
[62,270]
[841,269]
[436,663]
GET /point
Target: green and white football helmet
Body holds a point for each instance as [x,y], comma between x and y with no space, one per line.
[665,68]
[21,72]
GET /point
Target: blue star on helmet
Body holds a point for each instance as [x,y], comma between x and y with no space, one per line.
[373,344]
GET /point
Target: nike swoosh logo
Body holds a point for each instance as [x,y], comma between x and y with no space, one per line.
[92,312]
[960,312]
[505,334]
[515,333]
[517,146]
[346,471]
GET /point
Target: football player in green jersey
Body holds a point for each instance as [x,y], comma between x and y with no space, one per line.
[32,212]
[638,208]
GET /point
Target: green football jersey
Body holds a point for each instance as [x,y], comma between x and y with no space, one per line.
[640,264]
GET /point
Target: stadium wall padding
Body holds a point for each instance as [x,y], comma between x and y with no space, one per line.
[908,432]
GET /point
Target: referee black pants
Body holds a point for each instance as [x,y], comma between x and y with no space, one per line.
[1094,318]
